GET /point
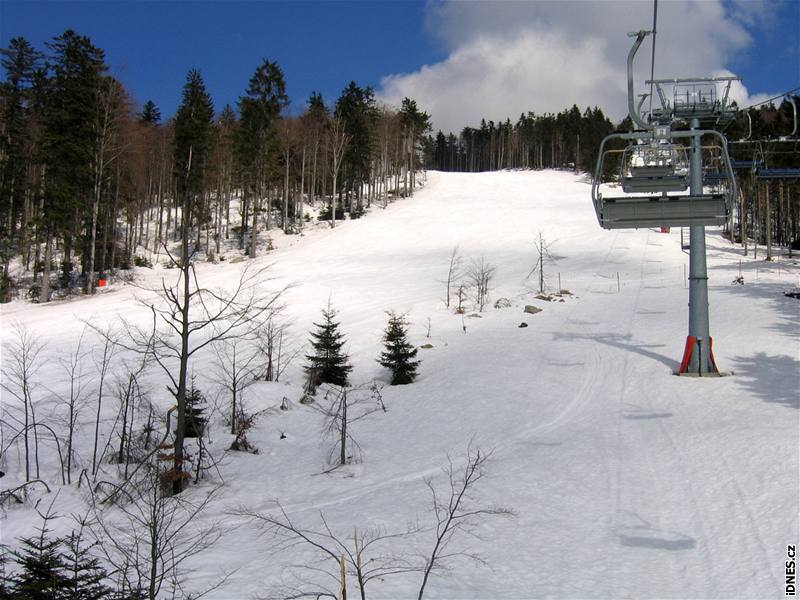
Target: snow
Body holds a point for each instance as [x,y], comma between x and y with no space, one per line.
[626,480]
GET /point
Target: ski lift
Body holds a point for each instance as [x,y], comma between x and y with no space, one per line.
[792,136]
[764,171]
[654,167]
[778,173]
[749,127]
[746,164]
[715,172]
[655,193]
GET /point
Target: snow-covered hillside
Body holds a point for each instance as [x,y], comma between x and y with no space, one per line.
[626,480]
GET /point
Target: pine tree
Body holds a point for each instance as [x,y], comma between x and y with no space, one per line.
[328,364]
[399,354]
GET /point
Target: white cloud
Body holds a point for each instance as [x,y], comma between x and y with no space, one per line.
[506,58]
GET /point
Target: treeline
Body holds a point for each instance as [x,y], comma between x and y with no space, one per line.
[567,139]
[87,178]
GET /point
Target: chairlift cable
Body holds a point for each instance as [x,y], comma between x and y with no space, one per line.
[653,56]
[786,93]
[768,100]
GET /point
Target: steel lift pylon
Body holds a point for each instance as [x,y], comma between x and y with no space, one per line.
[655,168]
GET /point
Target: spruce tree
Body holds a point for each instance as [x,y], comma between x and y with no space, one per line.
[399,354]
[42,574]
[5,590]
[190,150]
[192,136]
[20,63]
[357,109]
[150,113]
[84,573]
[195,412]
[70,139]
[328,364]
[259,109]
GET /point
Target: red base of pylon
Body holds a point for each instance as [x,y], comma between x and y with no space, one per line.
[691,347]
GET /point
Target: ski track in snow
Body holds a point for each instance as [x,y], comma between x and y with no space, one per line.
[627,481]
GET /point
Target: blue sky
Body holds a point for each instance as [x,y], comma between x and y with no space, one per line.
[460,61]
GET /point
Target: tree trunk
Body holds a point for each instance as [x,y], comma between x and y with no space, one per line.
[343,439]
[768,220]
[44,295]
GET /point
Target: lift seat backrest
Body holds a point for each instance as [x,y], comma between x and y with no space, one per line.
[778,174]
[631,212]
[653,171]
[670,183]
[745,164]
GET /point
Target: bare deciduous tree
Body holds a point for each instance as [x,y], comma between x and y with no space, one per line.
[150,542]
[373,554]
[454,273]
[543,255]
[73,368]
[236,371]
[21,363]
[361,557]
[479,274]
[337,139]
[186,318]
[341,408]
[276,352]
[457,512]
[103,363]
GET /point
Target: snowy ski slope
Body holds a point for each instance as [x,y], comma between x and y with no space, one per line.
[626,480]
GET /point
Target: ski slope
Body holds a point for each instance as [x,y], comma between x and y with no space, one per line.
[626,480]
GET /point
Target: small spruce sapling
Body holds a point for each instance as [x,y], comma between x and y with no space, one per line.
[328,363]
[399,355]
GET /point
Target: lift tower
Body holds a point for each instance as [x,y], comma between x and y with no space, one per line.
[657,170]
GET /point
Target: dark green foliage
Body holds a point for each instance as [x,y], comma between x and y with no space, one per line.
[5,590]
[142,261]
[54,569]
[356,212]
[6,287]
[84,572]
[150,113]
[569,139]
[192,133]
[328,364]
[195,412]
[41,569]
[413,119]
[259,108]
[325,214]
[399,355]
[20,63]
[70,106]
[356,107]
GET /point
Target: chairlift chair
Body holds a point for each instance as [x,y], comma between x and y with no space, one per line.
[655,193]
[654,167]
[787,173]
